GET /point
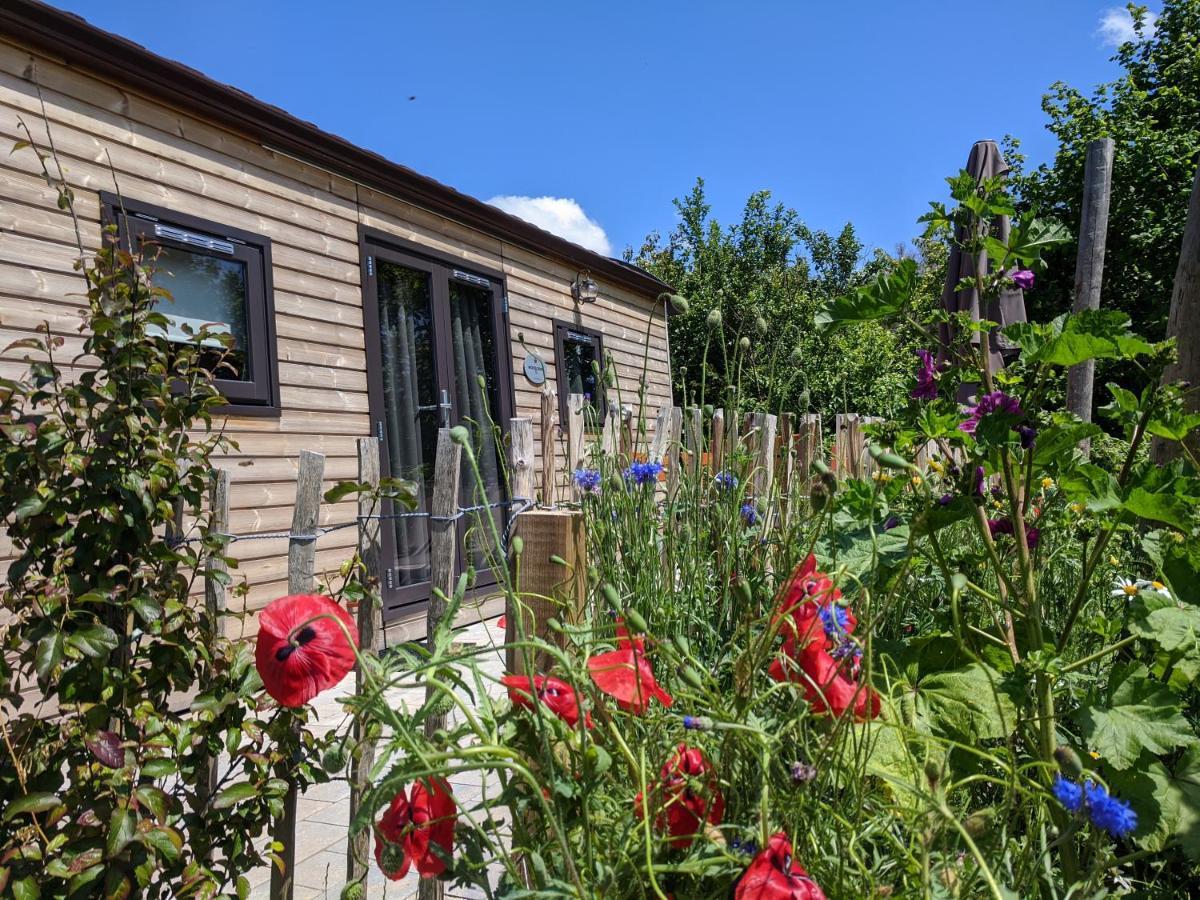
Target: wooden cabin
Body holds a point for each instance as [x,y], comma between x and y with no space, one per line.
[362,298]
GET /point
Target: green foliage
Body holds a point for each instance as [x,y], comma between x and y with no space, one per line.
[105,786]
[1150,112]
[765,279]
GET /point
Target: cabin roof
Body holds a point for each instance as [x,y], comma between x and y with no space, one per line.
[71,39]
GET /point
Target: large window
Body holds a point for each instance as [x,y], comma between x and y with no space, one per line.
[579,360]
[219,278]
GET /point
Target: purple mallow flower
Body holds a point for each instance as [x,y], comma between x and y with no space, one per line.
[926,388]
[979,482]
[995,402]
[587,480]
[643,472]
[1028,436]
[1022,279]
[1000,526]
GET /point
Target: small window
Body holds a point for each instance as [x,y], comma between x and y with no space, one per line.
[579,358]
[219,277]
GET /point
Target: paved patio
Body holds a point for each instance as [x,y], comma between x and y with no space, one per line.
[324,810]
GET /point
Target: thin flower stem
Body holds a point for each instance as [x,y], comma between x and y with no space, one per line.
[1099,654]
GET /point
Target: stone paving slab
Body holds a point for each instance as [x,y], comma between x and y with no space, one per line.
[323,810]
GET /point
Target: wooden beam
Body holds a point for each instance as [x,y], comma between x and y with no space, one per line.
[1089,264]
[576,450]
[1183,324]
[370,633]
[718,441]
[549,398]
[520,457]
[302,552]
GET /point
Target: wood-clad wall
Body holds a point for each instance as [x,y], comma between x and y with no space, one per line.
[108,138]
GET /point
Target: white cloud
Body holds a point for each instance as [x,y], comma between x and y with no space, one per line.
[1116,26]
[558,215]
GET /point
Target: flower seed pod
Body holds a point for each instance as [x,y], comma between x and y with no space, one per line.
[517,545]
[743,344]
[611,597]
[635,620]
[679,304]
[761,324]
[460,435]
[714,318]
[1068,761]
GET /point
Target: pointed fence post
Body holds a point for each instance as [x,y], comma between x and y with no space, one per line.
[718,441]
[443,548]
[575,444]
[809,446]
[302,553]
[546,432]
[1089,265]
[370,639]
[215,599]
[693,438]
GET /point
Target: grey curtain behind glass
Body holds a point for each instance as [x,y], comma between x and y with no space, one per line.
[471,336]
[401,299]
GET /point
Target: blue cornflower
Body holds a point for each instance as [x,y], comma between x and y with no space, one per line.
[1068,793]
[1106,811]
[643,472]
[588,480]
[834,619]
[726,481]
[749,513]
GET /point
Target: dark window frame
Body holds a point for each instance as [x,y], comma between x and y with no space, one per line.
[258,395]
[560,337]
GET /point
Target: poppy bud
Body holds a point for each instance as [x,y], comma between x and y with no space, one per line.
[795,357]
[933,772]
[678,303]
[1068,761]
[714,318]
[761,324]
[634,618]
[554,625]
[517,545]
[611,597]
[887,459]
[743,344]
[818,496]
[978,823]
[681,643]
[692,677]
[460,435]
[354,891]
[333,760]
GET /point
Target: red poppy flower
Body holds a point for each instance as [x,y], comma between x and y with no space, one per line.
[299,654]
[412,826]
[774,875]
[626,675]
[559,696]
[689,794]
[818,652]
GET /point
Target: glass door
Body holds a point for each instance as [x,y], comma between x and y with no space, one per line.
[437,363]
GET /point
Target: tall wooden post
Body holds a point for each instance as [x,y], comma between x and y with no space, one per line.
[520,457]
[785,461]
[215,573]
[809,445]
[693,438]
[718,441]
[671,457]
[370,639]
[546,433]
[302,553]
[762,438]
[1183,324]
[443,548]
[575,431]
[1089,264]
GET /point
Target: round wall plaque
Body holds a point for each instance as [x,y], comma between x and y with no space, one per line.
[535,369]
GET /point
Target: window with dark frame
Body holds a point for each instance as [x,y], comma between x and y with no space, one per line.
[219,278]
[579,361]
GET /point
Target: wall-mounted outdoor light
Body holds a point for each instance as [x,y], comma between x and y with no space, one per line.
[584,289]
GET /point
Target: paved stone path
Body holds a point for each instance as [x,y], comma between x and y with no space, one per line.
[324,810]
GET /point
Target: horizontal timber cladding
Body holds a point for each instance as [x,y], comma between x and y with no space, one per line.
[109,137]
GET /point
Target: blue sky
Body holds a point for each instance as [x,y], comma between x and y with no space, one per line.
[847,111]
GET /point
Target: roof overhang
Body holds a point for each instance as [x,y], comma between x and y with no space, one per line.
[72,40]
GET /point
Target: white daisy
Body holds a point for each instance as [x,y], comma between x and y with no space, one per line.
[1155,587]
[1123,587]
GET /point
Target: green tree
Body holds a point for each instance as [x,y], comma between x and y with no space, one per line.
[766,277]
[1152,112]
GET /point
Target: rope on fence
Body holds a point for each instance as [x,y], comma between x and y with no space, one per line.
[518,505]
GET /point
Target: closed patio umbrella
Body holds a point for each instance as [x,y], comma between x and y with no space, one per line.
[985,161]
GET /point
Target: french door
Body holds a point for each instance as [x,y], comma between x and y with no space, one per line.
[437,356]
